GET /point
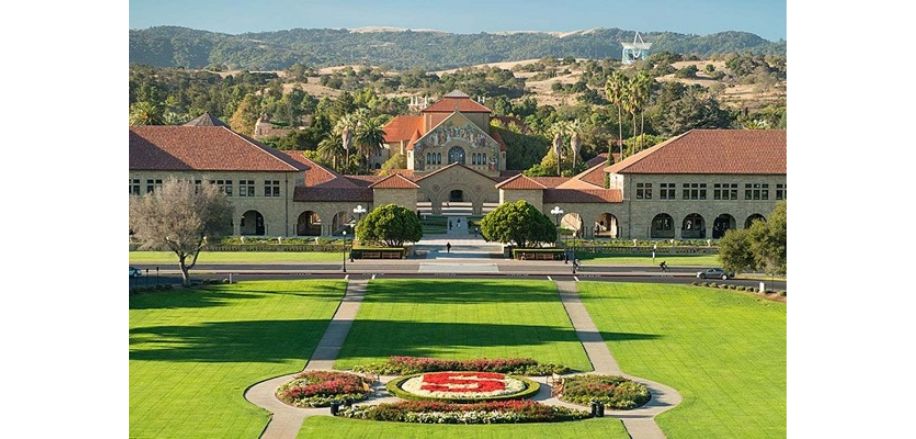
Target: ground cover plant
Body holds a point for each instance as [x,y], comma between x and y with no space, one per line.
[321,388]
[401,365]
[157,257]
[342,428]
[614,391]
[193,352]
[492,412]
[462,319]
[725,353]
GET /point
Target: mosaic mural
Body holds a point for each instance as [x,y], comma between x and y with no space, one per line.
[457,133]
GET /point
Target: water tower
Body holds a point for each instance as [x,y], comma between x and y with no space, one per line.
[635,51]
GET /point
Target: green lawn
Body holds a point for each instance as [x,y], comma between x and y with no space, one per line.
[628,260]
[168,258]
[340,428]
[462,319]
[725,353]
[194,352]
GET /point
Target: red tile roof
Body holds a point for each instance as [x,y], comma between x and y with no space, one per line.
[520,182]
[461,104]
[332,194]
[551,181]
[317,175]
[593,176]
[583,196]
[394,181]
[602,158]
[761,152]
[444,168]
[204,148]
[402,128]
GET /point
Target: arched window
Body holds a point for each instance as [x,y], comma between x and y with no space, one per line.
[438,158]
[483,158]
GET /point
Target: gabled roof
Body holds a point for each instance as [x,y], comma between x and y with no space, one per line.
[593,176]
[456,101]
[450,166]
[205,120]
[204,148]
[332,194]
[520,182]
[456,115]
[602,158]
[760,152]
[402,128]
[394,181]
[550,182]
[583,196]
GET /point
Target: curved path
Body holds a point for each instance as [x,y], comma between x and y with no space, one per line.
[286,421]
[639,422]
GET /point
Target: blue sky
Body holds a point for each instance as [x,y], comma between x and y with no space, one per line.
[766,18]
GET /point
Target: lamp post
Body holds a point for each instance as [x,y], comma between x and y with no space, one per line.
[556,211]
[359,210]
[344,251]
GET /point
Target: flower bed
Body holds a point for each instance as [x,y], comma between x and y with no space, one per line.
[613,391]
[410,365]
[494,412]
[320,389]
[462,386]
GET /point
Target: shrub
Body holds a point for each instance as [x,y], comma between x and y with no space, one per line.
[494,412]
[614,391]
[401,365]
[320,389]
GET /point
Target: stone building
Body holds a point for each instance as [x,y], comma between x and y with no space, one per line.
[693,186]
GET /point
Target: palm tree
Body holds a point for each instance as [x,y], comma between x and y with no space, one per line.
[641,88]
[145,113]
[329,149]
[616,89]
[573,128]
[559,130]
[369,138]
[344,128]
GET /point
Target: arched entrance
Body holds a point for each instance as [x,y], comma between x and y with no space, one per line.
[722,224]
[694,227]
[456,155]
[752,218]
[456,196]
[341,222]
[662,226]
[571,222]
[308,224]
[606,226]
[252,223]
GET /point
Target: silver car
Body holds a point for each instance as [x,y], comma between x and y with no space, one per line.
[715,273]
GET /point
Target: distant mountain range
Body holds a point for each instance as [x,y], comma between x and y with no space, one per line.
[170,46]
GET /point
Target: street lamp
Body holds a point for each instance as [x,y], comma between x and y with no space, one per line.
[344,251]
[556,211]
[359,210]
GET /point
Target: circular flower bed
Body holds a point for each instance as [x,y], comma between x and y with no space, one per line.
[320,389]
[462,386]
[614,391]
[492,412]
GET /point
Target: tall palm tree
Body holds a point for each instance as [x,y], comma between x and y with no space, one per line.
[344,128]
[641,88]
[574,128]
[616,88]
[329,149]
[369,138]
[559,130]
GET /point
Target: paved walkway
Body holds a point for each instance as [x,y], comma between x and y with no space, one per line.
[286,421]
[640,422]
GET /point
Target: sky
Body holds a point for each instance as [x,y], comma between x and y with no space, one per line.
[766,18]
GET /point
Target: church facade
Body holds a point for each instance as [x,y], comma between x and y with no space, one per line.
[693,186]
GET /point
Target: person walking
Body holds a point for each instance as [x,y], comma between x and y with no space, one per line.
[448,247]
[450,224]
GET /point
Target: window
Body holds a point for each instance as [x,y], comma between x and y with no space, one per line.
[225,186]
[153,185]
[756,191]
[246,188]
[197,186]
[135,186]
[694,191]
[438,158]
[271,188]
[667,191]
[780,192]
[643,191]
[725,191]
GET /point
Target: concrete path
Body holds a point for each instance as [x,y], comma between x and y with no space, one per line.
[640,422]
[286,421]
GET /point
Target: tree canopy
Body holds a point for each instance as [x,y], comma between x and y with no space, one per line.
[759,247]
[518,223]
[391,225]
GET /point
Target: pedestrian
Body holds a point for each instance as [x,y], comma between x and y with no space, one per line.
[450,224]
[448,247]
[459,222]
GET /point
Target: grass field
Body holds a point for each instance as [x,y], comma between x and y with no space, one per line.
[724,352]
[340,428]
[194,352]
[462,319]
[169,258]
[673,261]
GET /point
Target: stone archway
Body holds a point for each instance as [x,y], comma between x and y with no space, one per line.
[755,217]
[572,221]
[341,222]
[662,227]
[693,227]
[252,224]
[722,224]
[607,226]
[308,224]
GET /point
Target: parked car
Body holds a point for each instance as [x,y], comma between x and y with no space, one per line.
[715,273]
[135,272]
